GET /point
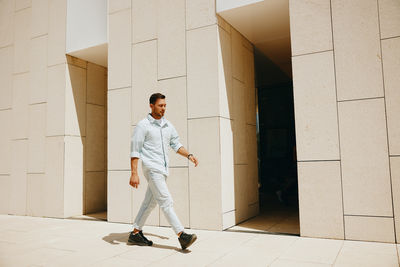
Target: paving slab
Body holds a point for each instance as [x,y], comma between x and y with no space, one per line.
[38,241]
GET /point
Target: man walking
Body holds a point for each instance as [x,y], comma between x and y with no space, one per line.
[150,141]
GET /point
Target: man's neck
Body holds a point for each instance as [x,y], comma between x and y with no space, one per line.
[155,116]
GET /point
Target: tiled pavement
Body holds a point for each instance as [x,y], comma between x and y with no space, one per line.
[34,241]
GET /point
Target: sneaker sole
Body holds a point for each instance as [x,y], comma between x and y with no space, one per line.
[191,242]
[133,242]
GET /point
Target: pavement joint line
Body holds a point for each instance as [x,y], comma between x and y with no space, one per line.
[337,256]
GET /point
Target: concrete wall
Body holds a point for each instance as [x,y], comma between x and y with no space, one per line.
[346,62]
[205,69]
[43,103]
[32,70]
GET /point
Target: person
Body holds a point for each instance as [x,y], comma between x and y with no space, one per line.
[150,140]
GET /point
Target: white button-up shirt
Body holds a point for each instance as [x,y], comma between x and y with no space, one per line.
[151,140]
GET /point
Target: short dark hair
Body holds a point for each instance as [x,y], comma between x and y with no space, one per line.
[155,96]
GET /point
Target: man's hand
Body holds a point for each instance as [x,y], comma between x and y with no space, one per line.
[194,160]
[182,151]
[134,181]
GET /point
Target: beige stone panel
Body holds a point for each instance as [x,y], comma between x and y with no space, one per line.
[223,24]
[241,192]
[5,185]
[378,229]
[95,195]
[175,93]
[20,109]
[144,20]
[19,151]
[225,73]
[35,195]
[22,36]
[119,130]
[227,165]
[202,72]
[310,26]
[75,101]
[240,142]
[364,155]
[250,89]
[228,219]
[95,146]
[320,199]
[5,141]
[55,109]
[205,212]
[247,44]
[77,61]
[239,102]
[395,173]
[53,186]
[237,55]
[144,78]
[119,197]
[38,70]
[391,67]
[252,164]
[37,138]
[73,176]
[95,83]
[315,107]
[389,18]
[357,49]
[254,209]
[200,13]
[138,195]
[40,18]
[21,4]
[6,77]
[119,49]
[6,22]
[117,5]
[171,39]
[239,123]
[57,29]
[178,186]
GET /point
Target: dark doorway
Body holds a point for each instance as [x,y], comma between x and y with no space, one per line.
[278,189]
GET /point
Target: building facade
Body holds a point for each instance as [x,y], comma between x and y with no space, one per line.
[76,77]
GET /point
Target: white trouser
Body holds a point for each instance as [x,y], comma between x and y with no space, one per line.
[157,192]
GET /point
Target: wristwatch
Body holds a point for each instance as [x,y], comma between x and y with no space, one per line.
[188,156]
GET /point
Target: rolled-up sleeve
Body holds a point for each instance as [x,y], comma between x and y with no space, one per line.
[174,142]
[137,141]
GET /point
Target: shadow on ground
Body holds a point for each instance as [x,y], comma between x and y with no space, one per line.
[117,238]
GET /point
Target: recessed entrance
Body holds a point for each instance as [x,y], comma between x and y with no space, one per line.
[87,87]
[266,25]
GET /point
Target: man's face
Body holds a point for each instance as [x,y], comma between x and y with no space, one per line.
[159,107]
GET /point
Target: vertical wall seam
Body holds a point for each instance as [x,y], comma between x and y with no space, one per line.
[337,118]
[131,94]
[85,144]
[386,122]
[187,111]
[65,98]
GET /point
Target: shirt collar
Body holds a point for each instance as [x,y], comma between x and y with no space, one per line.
[152,120]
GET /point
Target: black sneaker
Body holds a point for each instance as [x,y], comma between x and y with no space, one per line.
[186,239]
[139,239]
